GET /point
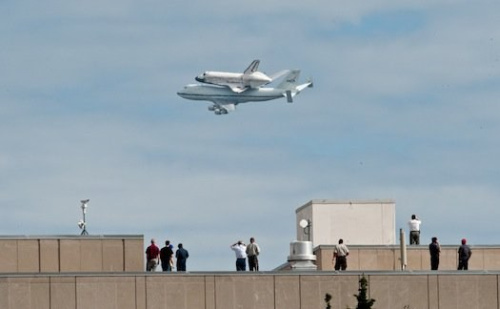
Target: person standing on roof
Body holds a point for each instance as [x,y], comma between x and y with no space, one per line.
[434,251]
[152,256]
[414,225]
[239,249]
[464,254]
[252,252]
[166,256]
[181,256]
[340,253]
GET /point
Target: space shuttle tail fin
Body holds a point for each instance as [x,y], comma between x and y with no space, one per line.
[252,67]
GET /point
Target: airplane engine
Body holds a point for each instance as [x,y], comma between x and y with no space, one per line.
[221,111]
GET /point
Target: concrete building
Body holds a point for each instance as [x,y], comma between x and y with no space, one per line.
[388,258]
[248,290]
[370,222]
[107,272]
[69,253]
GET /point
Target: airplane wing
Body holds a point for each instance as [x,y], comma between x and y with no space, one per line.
[229,106]
[237,89]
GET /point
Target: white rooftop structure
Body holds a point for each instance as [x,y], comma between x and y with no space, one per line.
[364,222]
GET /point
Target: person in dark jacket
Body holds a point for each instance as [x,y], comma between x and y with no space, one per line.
[464,254]
[434,250]
[166,256]
[181,255]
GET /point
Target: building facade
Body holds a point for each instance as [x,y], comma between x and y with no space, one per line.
[369,222]
[248,290]
[61,254]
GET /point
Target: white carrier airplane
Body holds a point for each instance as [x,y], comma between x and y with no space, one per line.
[225,100]
[237,82]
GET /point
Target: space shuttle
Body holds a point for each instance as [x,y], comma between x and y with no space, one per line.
[225,100]
[237,82]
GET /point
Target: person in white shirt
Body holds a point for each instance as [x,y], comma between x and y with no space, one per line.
[241,256]
[414,225]
[340,254]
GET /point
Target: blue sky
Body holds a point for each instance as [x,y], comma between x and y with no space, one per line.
[405,106]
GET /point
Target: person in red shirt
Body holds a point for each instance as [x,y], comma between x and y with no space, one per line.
[152,256]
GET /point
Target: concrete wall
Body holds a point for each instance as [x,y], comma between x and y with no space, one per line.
[388,258]
[443,290]
[28,254]
[375,222]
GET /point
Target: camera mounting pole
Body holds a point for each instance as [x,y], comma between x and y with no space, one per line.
[82,224]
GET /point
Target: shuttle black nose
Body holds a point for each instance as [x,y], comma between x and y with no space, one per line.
[199,79]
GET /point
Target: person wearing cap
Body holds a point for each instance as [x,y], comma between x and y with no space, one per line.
[434,250]
[414,225]
[464,254]
[241,256]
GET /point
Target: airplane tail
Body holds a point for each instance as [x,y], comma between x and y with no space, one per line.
[290,80]
[290,86]
[279,74]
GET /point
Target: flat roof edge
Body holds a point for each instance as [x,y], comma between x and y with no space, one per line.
[408,247]
[117,236]
[312,273]
[332,201]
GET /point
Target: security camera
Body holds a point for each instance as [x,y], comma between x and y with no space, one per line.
[81,224]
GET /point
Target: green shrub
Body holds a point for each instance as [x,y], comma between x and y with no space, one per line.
[363,301]
[328,297]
